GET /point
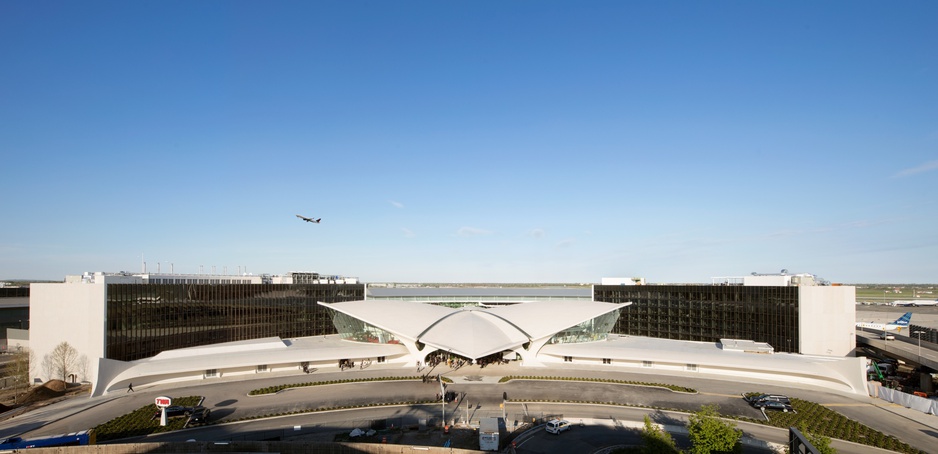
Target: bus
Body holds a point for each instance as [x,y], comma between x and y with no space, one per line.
[84,437]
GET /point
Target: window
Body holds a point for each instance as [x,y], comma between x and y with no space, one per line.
[262,368]
[647,364]
[381,359]
[568,359]
[211,373]
[691,367]
[607,360]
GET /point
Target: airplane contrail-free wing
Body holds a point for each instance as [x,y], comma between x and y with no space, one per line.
[316,221]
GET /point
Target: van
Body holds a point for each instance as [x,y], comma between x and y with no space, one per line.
[555,426]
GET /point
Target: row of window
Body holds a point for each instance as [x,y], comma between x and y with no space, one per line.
[145,319]
[649,364]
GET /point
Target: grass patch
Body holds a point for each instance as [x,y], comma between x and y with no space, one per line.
[141,422]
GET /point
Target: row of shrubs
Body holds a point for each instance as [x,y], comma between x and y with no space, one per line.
[278,388]
[675,388]
[141,422]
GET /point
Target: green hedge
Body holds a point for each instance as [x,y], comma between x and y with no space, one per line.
[278,388]
[675,388]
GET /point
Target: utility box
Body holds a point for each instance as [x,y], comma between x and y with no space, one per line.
[490,431]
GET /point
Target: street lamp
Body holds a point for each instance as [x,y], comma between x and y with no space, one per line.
[919,344]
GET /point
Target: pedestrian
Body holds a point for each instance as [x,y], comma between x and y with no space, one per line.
[130,387]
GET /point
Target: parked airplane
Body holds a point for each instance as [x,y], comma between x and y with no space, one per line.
[915,303]
[315,221]
[897,325]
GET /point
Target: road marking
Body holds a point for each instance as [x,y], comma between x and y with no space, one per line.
[846,405]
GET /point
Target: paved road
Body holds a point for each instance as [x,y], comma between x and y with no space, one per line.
[228,400]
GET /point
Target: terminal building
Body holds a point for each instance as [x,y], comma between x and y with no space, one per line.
[150,329]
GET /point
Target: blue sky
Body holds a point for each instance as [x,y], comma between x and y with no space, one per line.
[523,141]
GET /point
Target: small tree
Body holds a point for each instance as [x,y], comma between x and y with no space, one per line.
[710,434]
[656,439]
[61,361]
[20,369]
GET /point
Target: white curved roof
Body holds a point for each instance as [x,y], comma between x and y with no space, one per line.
[474,331]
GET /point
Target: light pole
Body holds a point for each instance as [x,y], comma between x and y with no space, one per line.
[443,400]
[919,345]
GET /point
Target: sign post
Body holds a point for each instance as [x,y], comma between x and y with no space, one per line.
[162,402]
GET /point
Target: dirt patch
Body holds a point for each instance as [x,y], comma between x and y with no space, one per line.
[44,394]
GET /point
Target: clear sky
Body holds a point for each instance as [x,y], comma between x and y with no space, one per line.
[468,141]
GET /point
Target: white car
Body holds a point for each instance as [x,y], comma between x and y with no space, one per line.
[888,337]
[555,426]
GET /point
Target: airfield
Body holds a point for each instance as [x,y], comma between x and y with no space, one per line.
[921,316]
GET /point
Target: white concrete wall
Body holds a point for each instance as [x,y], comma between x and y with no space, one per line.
[827,320]
[73,313]
[771,280]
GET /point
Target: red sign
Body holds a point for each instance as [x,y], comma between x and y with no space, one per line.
[163,401]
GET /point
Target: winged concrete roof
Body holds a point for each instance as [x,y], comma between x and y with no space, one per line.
[474,331]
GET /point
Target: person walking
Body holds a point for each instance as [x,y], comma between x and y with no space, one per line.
[130,387]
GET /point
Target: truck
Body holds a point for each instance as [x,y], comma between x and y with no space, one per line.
[490,430]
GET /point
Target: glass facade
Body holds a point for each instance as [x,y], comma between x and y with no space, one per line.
[353,329]
[594,329]
[707,312]
[145,319]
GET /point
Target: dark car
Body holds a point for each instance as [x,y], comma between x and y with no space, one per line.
[774,405]
[767,397]
[177,410]
[199,415]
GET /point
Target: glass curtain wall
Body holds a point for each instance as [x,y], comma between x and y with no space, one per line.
[145,319]
[353,329]
[595,329]
[707,313]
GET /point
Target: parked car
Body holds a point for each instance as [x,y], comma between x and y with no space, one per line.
[774,405]
[178,410]
[753,400]
[199,415]
[889,337]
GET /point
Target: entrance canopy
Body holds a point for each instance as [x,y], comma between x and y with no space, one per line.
[477,331]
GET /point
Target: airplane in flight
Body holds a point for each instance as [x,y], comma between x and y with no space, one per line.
[897,325]
[314,221]
[915,303]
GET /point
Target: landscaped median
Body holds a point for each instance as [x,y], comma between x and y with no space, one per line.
[141,422]
[278,388]
[675,388]
[810,417]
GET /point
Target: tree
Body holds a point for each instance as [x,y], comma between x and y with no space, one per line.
[20,369]
[656,439]
[710,434]
[61,361]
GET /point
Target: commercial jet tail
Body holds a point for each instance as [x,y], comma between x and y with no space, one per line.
[903,322]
